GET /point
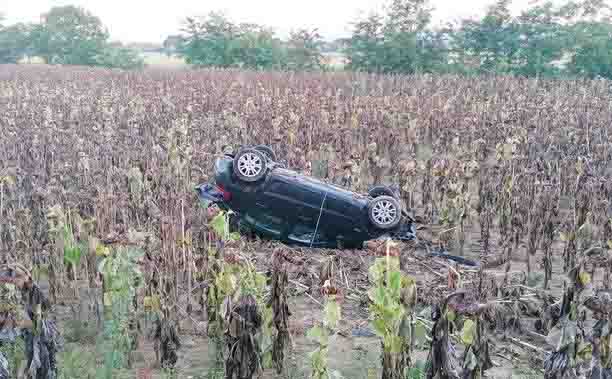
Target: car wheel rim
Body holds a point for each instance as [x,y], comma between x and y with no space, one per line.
[249,165]
[384,212]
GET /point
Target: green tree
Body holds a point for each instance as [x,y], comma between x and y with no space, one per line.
[15,42]
[398,41]
[592,55]
[119,56]
[304,50]
[542,41]
[410,45]
[539,40]
[71,35]
[209,41]
[366,46]
[433,51]
[488,45]
[255,47]
[408,16]
[214,41]
[590,36]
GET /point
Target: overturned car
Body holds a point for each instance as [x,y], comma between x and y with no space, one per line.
[278,203]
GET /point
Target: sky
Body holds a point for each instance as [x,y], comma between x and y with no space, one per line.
[152,21]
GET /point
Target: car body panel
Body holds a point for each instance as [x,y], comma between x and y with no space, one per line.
[289,206]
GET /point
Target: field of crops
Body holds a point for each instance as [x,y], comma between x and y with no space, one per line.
[97,201]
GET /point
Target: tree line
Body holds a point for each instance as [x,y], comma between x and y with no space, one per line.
[571,39]
[216,41]
[66,35]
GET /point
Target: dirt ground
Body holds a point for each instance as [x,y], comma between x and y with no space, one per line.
[355,351]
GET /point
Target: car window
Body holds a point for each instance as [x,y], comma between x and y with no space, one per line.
[265,221]
[303,233]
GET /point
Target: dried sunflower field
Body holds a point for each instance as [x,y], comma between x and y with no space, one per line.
[97,202]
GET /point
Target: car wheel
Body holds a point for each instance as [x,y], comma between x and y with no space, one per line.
[377,191]
[250,165]
[385,212]
[267,151]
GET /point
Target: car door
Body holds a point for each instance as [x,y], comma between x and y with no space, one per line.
[287,196]
[304,234]
[265,222]
[310,214]
[276,203]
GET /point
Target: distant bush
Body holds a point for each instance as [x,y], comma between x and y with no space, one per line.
[120,57]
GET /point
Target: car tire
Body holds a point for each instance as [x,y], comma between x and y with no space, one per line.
[267,151]
[378,191]
[250,165]
[385,212]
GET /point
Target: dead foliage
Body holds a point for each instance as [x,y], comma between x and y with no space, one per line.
[280,309]
[243,322]
[523,164]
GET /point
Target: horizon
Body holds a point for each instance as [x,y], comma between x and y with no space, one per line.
[282,16]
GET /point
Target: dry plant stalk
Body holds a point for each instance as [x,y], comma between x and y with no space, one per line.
[550,204]
[126,147]
[442,361]
[280,309]
[243,322]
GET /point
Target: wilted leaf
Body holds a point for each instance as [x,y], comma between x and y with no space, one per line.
[470,362]
[8,180]
[579,167]
[108,299]
[267,359]
[468,331]
[218,223]
[102,265]
[379,327]
[316,334]
[420,333]
[450,315]
[332,313]
[152,303]
[507,151]
[354,120]
[394,343]
[584,277]
[584,352]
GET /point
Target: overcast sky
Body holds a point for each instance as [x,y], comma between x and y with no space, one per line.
[152,21]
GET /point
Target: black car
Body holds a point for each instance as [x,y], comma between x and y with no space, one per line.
[282,204]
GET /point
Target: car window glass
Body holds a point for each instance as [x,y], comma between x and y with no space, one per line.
[266,221]
[305,233]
